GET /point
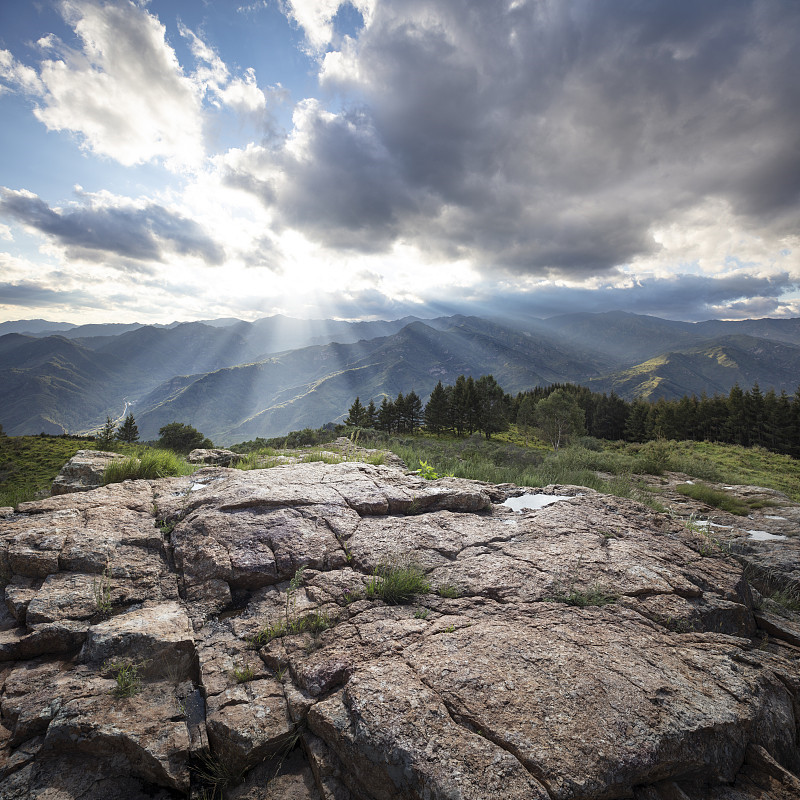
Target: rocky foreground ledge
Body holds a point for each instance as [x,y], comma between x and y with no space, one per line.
[161,640]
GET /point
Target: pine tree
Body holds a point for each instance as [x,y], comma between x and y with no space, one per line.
[371,420]
[437,410]
[386,416]
[413,411]
[356,415]
[492,407]
[106,435]
[128,431]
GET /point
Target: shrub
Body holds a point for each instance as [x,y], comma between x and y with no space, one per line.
[397,584]
[182,438]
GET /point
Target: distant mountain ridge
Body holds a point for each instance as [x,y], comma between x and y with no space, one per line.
[236,380]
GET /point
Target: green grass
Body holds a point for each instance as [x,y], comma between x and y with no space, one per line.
[148,464]
[28,464]
[505,459]
[714,497]
[397,584]
[595,596]
[313,623]
[243,674]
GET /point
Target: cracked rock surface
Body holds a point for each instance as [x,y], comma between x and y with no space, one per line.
[222,634]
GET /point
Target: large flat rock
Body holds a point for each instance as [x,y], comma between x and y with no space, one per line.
[262,667]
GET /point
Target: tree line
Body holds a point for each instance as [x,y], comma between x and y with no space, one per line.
[745,417]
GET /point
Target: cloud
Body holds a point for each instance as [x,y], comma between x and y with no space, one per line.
[123,91]
[548,139]
[34,295]
[214,79]
[316,18]
[143,232]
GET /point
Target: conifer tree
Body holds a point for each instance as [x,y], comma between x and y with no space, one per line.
[128,431]
[492,407]
[437,411]
[526,416]
[371,420]
[413,411]
[386,416]
[357,415]
[106,435]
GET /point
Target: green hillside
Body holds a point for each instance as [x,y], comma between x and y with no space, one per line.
[711,368]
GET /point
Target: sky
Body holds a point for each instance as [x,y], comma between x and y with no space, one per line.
[194,159]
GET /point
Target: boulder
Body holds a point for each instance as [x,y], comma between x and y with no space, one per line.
[216,457]
[227,633]
[83,472]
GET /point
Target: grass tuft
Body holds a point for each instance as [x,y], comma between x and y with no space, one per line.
[150,464]
[243,674]
[397,584]
[713,497]
[595,596]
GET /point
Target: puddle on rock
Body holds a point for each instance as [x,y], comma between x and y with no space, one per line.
[530,502]
[763,536]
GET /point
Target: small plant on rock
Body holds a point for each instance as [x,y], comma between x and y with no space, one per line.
[448,590]
[243,673]
[427,471]
[218,773]
[594,596]
[101,589]
[126,675]
[396,584]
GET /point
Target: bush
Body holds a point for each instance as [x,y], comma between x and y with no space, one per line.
[182,438]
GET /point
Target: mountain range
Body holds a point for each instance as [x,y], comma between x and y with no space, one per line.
[237,380]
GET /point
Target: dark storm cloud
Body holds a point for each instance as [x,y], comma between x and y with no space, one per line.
[27,294]
[142,234]
[684,297]
[550,137]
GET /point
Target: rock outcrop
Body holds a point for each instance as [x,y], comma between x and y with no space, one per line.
[83,472]
[217,456]
[225,633]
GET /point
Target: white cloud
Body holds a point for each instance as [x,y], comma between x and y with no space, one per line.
[124,92]
[18,75]
[213,78]
[316,17]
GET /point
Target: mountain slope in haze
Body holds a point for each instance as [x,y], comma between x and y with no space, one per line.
[314,385]
[625,337]
[189,348]
[779,330]
[218,378]
[54,385]
[713,367]
[33,326]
